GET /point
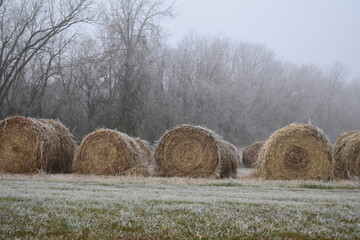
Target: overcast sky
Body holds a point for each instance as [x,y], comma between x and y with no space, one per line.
[301,31]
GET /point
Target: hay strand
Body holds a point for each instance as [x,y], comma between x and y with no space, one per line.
[347,155]
[193,151]
[109,152]
[250,154]
[29,145]
[297,151]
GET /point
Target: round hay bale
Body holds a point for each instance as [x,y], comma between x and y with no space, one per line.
[109,152]
[297,151]
[29,145]
[193,151]
[250,154]
[340,140]
[146,150]
[347,155]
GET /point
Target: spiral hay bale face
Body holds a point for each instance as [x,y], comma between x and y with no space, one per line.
[29,145]
[250,154]
[298,151]
[347,155]
[195,152]
[109,152]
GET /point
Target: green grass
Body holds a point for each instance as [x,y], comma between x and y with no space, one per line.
[323,186]
[224,184]
[150,209]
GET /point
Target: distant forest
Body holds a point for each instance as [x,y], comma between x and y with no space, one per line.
[95,64]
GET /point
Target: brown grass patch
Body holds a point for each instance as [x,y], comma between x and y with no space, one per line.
[297,151]
[193,151]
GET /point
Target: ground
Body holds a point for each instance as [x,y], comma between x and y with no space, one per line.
[98,207]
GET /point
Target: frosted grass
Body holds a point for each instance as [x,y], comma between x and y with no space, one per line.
[58,207]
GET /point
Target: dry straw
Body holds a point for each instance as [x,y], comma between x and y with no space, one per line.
[29,145]
[347,155]
[297,151]
[250,154]
[145,148]
[193,151]
[109,152]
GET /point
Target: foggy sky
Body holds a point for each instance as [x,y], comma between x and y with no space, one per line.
[300,31]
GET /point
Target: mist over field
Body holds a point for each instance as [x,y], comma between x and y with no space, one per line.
[162,100]
[144,66]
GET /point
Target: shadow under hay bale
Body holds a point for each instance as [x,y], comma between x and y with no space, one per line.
[191,151]
[29,145]
[250,154]
[109,152]
[297,151]
[347,155]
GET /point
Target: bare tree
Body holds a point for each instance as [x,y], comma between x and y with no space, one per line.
[27,28]
[126,77]
[335,80]
[135,33]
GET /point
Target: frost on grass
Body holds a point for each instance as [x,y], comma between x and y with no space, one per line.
[59,207]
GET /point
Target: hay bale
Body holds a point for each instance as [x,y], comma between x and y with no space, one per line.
[340,140]
[347,155]
[250,154]
[29,145]
[146,150]
[109,152]
[195,152]
[147,153]
[297,151]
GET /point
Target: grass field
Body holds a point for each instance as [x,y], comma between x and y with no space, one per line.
[90,207]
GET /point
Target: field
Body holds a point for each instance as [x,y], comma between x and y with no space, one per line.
[93,207]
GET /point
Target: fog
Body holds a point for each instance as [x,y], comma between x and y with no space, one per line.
[243,69]
[319,32]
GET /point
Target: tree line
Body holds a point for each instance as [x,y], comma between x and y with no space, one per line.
[108,64]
